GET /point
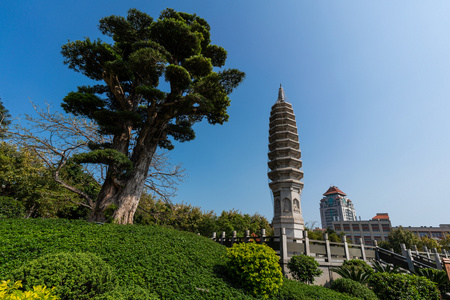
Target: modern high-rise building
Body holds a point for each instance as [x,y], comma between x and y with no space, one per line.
[285,164]
[335,206]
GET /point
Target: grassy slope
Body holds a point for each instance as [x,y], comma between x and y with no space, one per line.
[177,265]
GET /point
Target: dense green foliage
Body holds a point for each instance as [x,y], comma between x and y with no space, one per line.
[191,218]
[255,267]
[403,286]
[128,293]
[355,269]
[386,268]
[5,120]
[12,291]
[399,236]
[353,288]
[131,107]
[75,275]
[437,276]
[294,290]
[304,268]
[162,260]
[24,178]
[357,264]
[11,208]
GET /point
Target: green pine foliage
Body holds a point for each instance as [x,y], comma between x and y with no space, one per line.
[304,268]
[353,288]
[256,267]
[75,275]
[403,286]
[5,120]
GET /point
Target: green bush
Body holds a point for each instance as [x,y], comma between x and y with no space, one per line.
[357,275]
[256,267]
[357,264]
[403,286]
[304,268]
[353,288]
[75,275]
[128,293]
[11,208]
[294,290]
[437,276]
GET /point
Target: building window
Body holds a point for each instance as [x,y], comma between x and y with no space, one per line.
[365,227]
[386,227]
[436,234]
[337,227]
[368,240]
[375,227]
[355,227]
[346,227]
[357,238]
[424,233]
[377,237]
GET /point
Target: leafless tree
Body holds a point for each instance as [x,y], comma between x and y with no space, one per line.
[55,138]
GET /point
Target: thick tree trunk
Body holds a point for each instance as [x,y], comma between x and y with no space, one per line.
[124,199]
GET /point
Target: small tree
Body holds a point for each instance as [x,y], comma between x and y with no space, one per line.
[304,268]
[400,236]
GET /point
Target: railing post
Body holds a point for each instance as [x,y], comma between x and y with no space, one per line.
[233,238]
[263,236]
[409,259]
[214,237]
[363,251]
[404,252]
[327,247]
[247,236]
[437,259]
[283,252]
[222,240]
[444,253]
[377,255]
[414,248]
[426,251]
[347,253]
[307,249]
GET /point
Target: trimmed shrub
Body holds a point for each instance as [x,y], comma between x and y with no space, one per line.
[353,288]
[128,293]
[12,292]
[75,275]
[256,267]
[294,290]
[357,275]
[403,286]
[304,268]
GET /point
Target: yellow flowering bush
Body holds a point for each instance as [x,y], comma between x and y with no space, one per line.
[10,291]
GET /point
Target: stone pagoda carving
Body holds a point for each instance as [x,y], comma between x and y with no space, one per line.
[285,168]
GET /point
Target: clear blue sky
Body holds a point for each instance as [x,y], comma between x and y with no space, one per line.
[369,82]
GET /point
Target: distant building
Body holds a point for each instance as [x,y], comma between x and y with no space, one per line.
[431,232]
[335,206]
[369,230]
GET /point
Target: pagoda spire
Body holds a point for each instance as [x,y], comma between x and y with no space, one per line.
[281,96]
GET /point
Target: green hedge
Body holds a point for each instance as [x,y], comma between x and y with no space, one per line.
[75,275]
[403,286]
[166,261]
[294,290]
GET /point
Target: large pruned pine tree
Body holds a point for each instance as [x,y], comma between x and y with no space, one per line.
[129,103]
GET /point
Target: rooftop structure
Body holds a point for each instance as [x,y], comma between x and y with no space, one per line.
[335,206]
[285,168]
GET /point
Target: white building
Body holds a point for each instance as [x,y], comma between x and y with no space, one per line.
[335,206]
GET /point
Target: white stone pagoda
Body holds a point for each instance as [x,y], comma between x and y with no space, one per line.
[285,169]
